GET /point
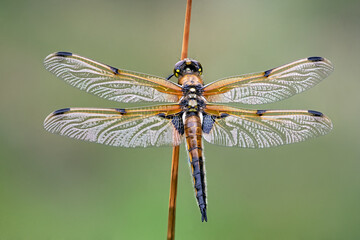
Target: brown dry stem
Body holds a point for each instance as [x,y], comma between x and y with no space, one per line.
[175,154]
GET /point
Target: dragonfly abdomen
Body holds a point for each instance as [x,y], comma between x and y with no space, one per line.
[193,133]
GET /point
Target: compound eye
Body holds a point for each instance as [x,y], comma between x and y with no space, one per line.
[176,72]
[199,67]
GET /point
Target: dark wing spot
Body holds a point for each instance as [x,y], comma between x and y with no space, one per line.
[315,113]
[223,115]
[114,70]
[267,73]
[178,123]
[315,59]
[260,112]
[63,54]
[61,111]
[208,122]
[162,115]
[122,111]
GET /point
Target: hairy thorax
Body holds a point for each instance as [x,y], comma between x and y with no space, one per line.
[192,100]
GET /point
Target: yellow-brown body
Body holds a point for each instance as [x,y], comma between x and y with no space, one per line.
[193,133]
[192,103]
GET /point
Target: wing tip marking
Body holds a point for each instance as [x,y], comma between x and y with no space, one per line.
[61,111]
[315,59]
[63,54]
[316,113]
[114,70]
[267,73]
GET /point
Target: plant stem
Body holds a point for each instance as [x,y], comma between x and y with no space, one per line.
[185,44]
[175,154]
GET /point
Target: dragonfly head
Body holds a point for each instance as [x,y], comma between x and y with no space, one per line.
[187,66]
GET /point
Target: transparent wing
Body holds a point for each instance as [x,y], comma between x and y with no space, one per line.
[109,82]
[137,127]
[262,128]
[272,85]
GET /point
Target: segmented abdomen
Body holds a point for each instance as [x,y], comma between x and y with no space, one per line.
[193,133]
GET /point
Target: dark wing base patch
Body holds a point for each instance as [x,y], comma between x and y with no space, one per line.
[178,123]
[176,120]
[208,122]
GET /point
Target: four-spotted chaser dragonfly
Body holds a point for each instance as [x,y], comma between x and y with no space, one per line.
[193,114]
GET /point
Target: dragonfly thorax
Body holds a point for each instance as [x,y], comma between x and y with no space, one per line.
[192,101]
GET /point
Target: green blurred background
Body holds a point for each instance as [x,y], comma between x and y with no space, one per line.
[53,187]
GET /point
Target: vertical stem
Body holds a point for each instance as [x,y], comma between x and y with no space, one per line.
[175,154]
[185,44]
[173,191]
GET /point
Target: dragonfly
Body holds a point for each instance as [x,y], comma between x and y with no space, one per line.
[192,113]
